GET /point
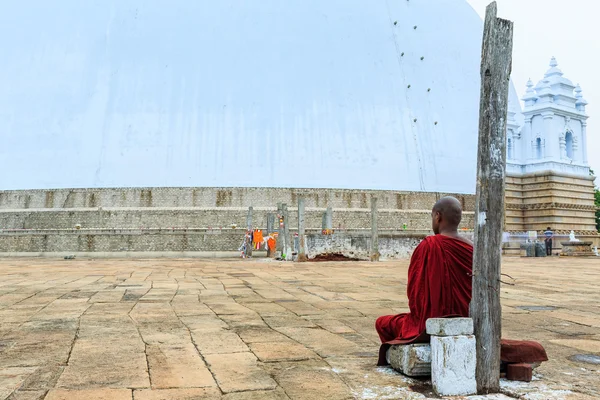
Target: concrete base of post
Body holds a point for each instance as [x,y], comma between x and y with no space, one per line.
[453,357]
[453,365]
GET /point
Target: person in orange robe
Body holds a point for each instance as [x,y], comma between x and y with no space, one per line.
[439,280]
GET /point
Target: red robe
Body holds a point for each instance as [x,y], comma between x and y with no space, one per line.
[439,285]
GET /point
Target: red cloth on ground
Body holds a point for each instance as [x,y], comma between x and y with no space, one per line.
[439,285]
[521,351]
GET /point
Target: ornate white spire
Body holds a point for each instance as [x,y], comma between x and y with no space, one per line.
[530,96]
[544,91]
[554,70]
[559,85]
[581,102]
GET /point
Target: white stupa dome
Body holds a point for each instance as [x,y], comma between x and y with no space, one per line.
[299,93]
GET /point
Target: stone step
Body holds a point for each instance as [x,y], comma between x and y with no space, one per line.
[351,244]
[220,197]
[127,218]
[411,360]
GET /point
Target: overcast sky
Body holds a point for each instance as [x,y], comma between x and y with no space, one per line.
[568,30]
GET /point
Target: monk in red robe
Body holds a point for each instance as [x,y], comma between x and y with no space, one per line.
[439,285]
[439,280]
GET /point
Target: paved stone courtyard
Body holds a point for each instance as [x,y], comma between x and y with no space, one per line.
[239,330]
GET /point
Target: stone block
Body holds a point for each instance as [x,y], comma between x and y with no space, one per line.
[540,249]
[519,372]
[411,360]
[449,326]
[453,365]
[527,250]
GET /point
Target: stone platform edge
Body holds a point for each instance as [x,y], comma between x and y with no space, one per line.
[131,254]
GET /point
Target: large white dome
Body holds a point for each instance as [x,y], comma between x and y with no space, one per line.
[358,94]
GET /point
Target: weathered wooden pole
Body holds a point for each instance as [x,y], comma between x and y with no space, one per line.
[287,245]
[374,232]
[279,244]
[496,65]
[328,220]
[249,232]
[301,232]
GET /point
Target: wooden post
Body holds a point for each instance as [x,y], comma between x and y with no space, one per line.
[287,246]
[279,244]
[496,64]
[301,232]
[374,233]
[329,219]
[327,223]
[249,230]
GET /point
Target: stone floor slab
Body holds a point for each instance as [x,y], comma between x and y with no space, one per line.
[27,395]
[281,351]
[325,343]
[260,335]
[177,366]
[177,394]
[93,394]
[277,394]
[239,372]
[310,380]
[220,342]
[12,378]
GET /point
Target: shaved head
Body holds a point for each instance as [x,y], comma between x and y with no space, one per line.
[446,214]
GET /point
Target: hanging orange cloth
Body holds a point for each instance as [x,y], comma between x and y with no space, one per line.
[258,238]
[272,243]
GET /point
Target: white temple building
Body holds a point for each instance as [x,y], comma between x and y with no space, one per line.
[549,182]
[553,134]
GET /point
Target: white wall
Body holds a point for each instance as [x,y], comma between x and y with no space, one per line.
[301,93]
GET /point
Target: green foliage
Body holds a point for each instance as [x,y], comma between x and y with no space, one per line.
[597,202]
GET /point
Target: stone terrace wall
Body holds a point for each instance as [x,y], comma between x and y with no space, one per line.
[208,218]
[181,242]
[219,197]
[191,219]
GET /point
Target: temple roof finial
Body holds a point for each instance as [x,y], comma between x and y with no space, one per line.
[554,70]
[529,85]
[581,102]
[530,95]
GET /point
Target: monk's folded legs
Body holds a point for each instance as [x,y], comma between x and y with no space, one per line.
[389,327]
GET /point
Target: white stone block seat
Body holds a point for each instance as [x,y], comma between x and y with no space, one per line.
[449,357]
